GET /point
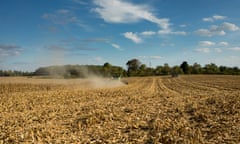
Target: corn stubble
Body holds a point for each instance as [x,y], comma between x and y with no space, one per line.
[188,109]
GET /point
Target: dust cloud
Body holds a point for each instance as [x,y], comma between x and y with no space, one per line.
[100,82]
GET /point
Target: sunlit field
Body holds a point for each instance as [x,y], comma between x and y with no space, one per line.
[186,109]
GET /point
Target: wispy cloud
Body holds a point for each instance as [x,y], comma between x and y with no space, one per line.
[118,11]
[204,46]
[96,40]
[202,50]
[206,43]
[214,18]
[116,46]
[56,48]
[215,30]
[223,43]
[84,43]
[211,32]
[148,33]
[170,32]
[155,57]
[7,50]
[237,49]
[133,36]
[64,17]
[219,50]
[81,2]
[61,16]
[183,25]
[84,48]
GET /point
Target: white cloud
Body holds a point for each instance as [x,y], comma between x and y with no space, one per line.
[169,31]
[203,50]
[183,25]
[235,49]
[206,43]
[133,36]
[219,50]
[155,57]
[208,19]
[118,11]
[179,33]
[217,30]
[223,43]
[210,33]
[81,2]
[167,44]
[229,26]
[213,18]
[116,46]
[148,33]
[219,17]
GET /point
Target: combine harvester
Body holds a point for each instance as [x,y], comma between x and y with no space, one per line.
[119,78]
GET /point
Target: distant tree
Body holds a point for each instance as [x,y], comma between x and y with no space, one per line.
[196,68]
[41,71]
[211,69]
[185,67]
[1,73]
[107,65]
[74,73]
[107,69]
[117,71]
[177,70]
[166,70]
[223,69]
[142,70]
[133,67]
[149,71]
[236,70]
[158,70]
[143,67]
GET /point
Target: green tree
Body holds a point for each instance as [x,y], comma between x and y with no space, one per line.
[185,67]
[142,70]
[158,70]
[177,70]
[133,67]
[211,69]
[149,71]
[196,68]
[166,69]
[107,69]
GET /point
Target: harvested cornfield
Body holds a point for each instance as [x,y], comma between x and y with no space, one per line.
[187,109]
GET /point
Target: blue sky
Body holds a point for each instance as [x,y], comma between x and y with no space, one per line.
[55,32]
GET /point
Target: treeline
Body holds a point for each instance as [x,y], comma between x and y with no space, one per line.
[81,71]
[134,68]
[14,73]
